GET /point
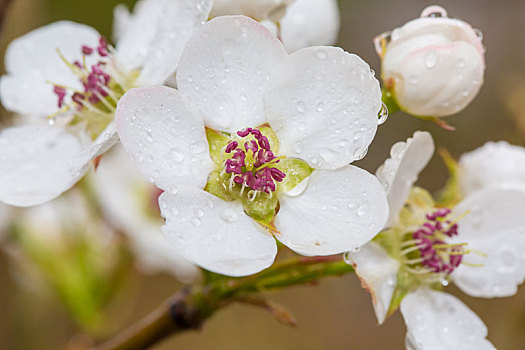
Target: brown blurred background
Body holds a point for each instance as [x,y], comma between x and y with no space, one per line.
[337,314]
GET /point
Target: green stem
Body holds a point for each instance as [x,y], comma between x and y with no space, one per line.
[189,308]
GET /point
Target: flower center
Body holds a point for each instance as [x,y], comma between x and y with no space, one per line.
[428,251]
[102,86]
[251,162]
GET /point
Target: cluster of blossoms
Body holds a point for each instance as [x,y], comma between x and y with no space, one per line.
[255,143]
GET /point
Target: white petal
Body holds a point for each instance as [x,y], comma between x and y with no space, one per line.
[164,136]
[495,164]
[339,211]
[124,194]
[122,21]
[225,69]
[26,88]
[156,36]
[37,164]
[435,66]
[440,321]
[310,23]
[399,172]
[215,234]
[323,104]
[378,274]
[495,226]
[259,9]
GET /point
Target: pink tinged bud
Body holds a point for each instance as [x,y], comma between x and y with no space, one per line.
[86,50]
[433,66]
[231,146]
[61,93]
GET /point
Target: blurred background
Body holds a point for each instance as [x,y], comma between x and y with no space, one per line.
[107,291]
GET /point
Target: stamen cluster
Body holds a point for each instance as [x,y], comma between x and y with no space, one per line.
[95,79]
[251,163]
[436,255]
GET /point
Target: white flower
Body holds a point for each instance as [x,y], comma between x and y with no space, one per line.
[318,107]
[495,164]
[433,65]
[131,204]
[69,65]
[478,245]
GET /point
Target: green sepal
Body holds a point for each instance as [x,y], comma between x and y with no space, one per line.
[263,208]
[296,170]
[217,185]
[217,141]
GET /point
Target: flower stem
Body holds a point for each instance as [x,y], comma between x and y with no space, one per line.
[190,307]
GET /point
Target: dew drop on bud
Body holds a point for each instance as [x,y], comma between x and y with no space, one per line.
[434,11]
[382,115]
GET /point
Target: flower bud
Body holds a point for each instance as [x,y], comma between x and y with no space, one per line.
[433,66]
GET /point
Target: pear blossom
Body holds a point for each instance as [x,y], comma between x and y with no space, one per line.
[478,244]
[131,205]
[495,164]
[75,80]
[432,66]
[255,144]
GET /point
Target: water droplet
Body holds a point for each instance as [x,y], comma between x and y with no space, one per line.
[413,80]
[149,136]
[433,12]
[229,216]
[431,59]
[360,154]
[176,155]
[382,115]
[462,63]
[479,34]
[198,212]
[195,221]
[444,283]
[51,121]
[173,189]
[347,259]
[320,107]
[362,210]
[302,126]
[198,147]
[356,249]
[298,147]
[321,54]
[301,107]
[227,68]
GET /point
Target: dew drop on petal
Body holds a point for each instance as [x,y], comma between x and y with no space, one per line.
[382,115]
[360,154]
[321,54]
[431,59]
[176,155]
[301,107]
[229,216]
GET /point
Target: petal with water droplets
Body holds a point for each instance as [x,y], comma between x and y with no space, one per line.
[165,137]
[495,164]
[225,69]
[155,36]
[215,234]
[38,163]
[323,104]
[437,320]
[399,172]
[339,211]
[494,230]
